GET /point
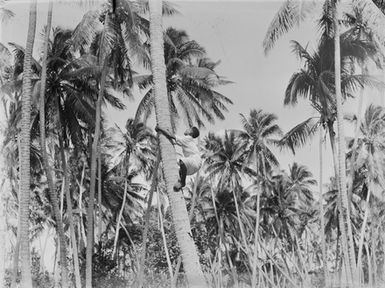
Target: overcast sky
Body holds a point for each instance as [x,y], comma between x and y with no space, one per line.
[232,32]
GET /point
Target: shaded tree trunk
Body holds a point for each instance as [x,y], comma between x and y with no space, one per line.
[25,140]
[103,59]
[100,195]
[321,209]
[191,264]
[46,165]
[147,221]
[160,215]
[70,216]
[91,201]
[362,234]
[346,225]
[356,134]
[114,250]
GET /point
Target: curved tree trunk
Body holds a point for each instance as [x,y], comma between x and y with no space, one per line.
[47,167]
[25,140]
[189,253]
[346,228]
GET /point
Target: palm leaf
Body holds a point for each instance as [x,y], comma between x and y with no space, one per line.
[290,15]
[300,134]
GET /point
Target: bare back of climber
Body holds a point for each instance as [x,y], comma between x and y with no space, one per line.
[191,161]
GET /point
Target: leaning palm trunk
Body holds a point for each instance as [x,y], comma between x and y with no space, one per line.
[25,140]
[47,167]
[321,210]
[345,215]
[190,217]
[119,219]
[147,220]
[189,253]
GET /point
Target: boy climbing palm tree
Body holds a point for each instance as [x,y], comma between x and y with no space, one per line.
[191,161]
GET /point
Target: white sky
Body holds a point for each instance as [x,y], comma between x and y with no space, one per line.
[232,32]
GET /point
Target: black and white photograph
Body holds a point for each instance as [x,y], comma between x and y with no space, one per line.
[192,143]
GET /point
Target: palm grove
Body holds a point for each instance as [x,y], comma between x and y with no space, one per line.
[242,221]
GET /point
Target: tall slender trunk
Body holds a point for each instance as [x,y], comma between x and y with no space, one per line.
[91,201]
[102,60]
[3,232]
[362,234]
[25,141]
[350,258]
[100,194]
[147,220]
[47,167]
[256,232]
[66,179]
[191,264]
[16,256]
[321,211]
[119,219]
[356,134]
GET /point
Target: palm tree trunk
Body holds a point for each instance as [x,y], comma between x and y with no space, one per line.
[362,234]
[82,233]
[16,256]
[100,195]
[355,142]
[190,217]
[165,242]
[70,216]
[321,209]
[94,154]
[47,167]
[147,221]
[119,219]
[256,231]
[191,264]
[25,140]
[346,228]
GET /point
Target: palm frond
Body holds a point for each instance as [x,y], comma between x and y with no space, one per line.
[85,32]
[290,15]
[300,134]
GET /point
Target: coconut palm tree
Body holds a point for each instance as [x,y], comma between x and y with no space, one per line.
[25,140]
[370,160]
[260,130]
[191,80]
[135,146]
[47,167]
[190,258]
[347,235]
